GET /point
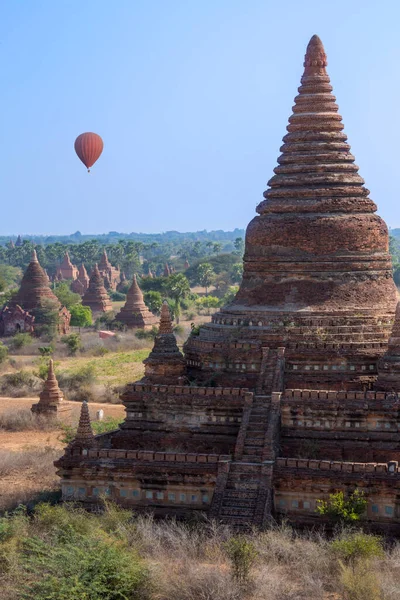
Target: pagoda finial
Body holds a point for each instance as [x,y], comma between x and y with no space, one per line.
[165,319]
[34,257]
[50,374]
[84,432]
[315,59]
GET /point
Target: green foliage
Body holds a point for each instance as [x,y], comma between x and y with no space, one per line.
[177,286]
[237,273]
[73,341]
[207,302]
[81,316]
[67,297]
[46,320]
[7,295]
[46,350]
[205,275]
[107,319]
[147,334]
[230,295]
[68,433]
[353,546]
[339,508]
[153,301]
[78,378]
[75,566]
[108,424]
[239,245]
[3,352]
[20,340]
[117,296]
[10,276]
[242,555]
[360,582]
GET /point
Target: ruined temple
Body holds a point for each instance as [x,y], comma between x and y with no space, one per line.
[96,296]
[66,270]
[134,313]
[30,304]
[291,392]
[110,274]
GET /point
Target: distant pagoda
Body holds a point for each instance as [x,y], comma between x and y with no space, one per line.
[96,296]
[81,284]
[67,270]
[134,313]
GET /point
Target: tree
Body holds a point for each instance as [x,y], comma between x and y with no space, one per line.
[81,316]
[177,288]
[207,303]
[339,508]
[73,341]
[239,245]
[205,275]
[153,301]
[66,296]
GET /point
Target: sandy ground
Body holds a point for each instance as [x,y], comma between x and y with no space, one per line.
[26,457]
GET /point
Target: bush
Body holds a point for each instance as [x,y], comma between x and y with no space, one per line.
[242,554]
[74,380]
[343,509]
[3,352]
[153,301]
[21,383]
[46,350]
[353,546]
[360,582]
[24,420]
[147,334]
[117,296]
[20,340]
[75,566]
[66,297]
[73,341]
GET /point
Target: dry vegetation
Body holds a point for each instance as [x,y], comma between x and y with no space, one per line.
[62,552]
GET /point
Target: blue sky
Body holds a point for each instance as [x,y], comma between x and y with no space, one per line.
[191,99]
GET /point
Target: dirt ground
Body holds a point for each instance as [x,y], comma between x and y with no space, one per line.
[27,472]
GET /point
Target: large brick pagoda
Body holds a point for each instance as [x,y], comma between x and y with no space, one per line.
[96,296]
[33,299]
[279,403]
[135,314]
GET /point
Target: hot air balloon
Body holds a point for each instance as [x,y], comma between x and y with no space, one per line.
[88,147]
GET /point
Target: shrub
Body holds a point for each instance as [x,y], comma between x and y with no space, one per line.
[3,352]
[20,340]
[147,334]
[73,342]
[109,424]
[117,296]
[360,582]
[153,301]
[46,350]
[24,420]
[66,296]
[339,508]
[353,546]
[74,380]
[242,554]
[78,566]
[21,383]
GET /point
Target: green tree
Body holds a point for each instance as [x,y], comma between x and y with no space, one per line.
[153,301]
[207,303]
[340,508]
[242,554]
[237,273]
[239,245]
[205,275]
[66,296]
[73,341]
[178,288]
[81,316]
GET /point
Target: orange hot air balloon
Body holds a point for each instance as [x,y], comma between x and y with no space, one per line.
[88,147]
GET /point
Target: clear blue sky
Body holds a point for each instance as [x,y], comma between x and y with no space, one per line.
[191,98]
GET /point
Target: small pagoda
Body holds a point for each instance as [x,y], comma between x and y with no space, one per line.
[134,313]
[81,284]
[110,274]
[96,296]
[51,399]
[165,363]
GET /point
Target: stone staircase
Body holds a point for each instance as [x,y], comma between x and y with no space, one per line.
[243,495]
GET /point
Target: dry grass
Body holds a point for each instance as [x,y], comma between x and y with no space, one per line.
[25,420]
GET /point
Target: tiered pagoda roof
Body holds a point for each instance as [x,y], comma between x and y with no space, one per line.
[135,313]
[96,296]
[34,290]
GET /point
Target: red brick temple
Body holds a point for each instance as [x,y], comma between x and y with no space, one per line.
[96,296]
[32,300]
[290,393]
[135,314]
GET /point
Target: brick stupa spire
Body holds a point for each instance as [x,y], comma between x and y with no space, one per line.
[96,296]
[84,434]
[165,363]
[316,257]
[104,263]
[51,398]
[67,269]
[135,313]
[34,290]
